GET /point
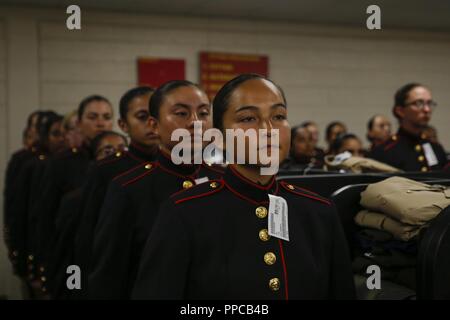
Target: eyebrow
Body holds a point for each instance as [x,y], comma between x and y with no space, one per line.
[98,113]
[255,108]
[182,105]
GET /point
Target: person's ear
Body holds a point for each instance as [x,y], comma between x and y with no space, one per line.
[123,126]
[399,112]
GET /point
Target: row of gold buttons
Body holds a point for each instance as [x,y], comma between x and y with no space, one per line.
[269,258]
[421,158]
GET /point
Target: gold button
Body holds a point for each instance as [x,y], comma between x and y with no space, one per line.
[74,150]
[264,235]
[290,186]
[274,284]
[30,257]
[408,191]
[41,269]
[213,185]
[187,184]
[261,212]
[148,166]
[424,169]
[394,138]
[418,148]
[421,158]
[118,154]
[43,279]
[41,157]
[270,258]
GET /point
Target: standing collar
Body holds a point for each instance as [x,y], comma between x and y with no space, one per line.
[247,189]
[166,164]
[140,153]
[409,136]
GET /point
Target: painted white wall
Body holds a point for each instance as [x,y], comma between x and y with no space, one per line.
[328,73]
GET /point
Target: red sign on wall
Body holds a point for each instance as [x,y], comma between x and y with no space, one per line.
[153,71]
[218,68]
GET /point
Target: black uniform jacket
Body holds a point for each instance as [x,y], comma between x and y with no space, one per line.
[126,218]
[61,255]
[77,217]
[64,172]
[405,152]
[24,184]
[211,242]
[12,170]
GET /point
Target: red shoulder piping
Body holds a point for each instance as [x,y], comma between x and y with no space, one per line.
[201,195]
[137,178]
[130,170]
[283,183]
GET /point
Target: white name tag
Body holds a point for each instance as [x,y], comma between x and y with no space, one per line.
[278,218]
[429,154]
[201,180]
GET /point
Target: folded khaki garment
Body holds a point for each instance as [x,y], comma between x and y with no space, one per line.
[406,200]
[357,164]
[380,221]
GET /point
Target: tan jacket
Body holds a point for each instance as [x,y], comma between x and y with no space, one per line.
[357,164]
[406,200]
[380,221]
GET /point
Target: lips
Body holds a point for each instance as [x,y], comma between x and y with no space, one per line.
[152,136]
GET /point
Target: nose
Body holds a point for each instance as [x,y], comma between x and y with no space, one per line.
[427,108]
[266,125]
[194,117]
[100,123]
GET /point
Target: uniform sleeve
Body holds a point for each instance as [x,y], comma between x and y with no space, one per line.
[112,241]
[60,256]
[92,200]
[341,278]
[441,155]
[378,154]
[33,215]
[165,260]
[46,207]
[8,194]
[18,220]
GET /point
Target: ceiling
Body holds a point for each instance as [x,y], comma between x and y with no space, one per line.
[426,15]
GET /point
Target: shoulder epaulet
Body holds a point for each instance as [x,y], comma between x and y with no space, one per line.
[392,141]
[112,158]
[214,167]
[304,192]
[198,191]
[134,174]
[67,153]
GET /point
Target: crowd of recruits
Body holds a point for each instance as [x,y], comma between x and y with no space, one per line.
[139,226]
[413,108]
